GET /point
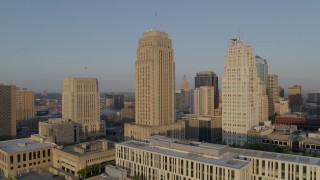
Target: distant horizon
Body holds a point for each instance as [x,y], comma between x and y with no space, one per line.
[41,47]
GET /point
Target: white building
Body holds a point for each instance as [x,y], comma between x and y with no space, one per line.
[167,158]
[239,93]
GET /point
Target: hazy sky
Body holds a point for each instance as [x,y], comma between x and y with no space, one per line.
[42,42]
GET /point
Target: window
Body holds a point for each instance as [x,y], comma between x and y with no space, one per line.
[19,158]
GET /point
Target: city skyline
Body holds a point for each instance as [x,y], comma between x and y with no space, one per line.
[58,40]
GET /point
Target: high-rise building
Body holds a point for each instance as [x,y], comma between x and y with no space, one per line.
[262,101]
[184,96]
[154,88]
[282,106]
[81,103]
[281,92]
[262,69]
[295,98]
[273,92]
[115,102]
[204,101]
[25,104]
[239,83]
[208,78]
[44,93]
[7,112]
[184,83]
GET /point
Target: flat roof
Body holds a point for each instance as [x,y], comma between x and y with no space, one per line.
[276,156]
[225,161]
[24,144]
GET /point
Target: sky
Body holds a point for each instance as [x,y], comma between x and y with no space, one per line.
[43,42]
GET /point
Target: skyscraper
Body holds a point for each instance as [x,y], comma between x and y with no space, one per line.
[204,101]
[273,92]
[81,103]
[295,98]
[7,112]
[238,93]
[185,95]
[208,78]
[25,104]
[154,87]
[262,69]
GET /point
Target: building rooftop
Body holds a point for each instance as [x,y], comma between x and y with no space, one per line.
[276,156]
[227,161]
[24,144]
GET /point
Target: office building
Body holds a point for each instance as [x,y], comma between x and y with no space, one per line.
[239,93]
[281,92]
[114,102]
[203,128]
[273,92]
[208,78]
[59,131]
[154,89]
[68,160]
[262,101]
[295,98]
[184,83]
[185,101]
[81,103]
[21,156]
[281,106]
[262,69]
[7,112]
[167,158]
[204,101]
[24,104]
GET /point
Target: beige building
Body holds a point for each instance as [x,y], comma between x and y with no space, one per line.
[21,156]
[81,103]
[68,160]
[262,102]
[59,131]
[203,128]
[273,92]
[239,93]
[282,106]
[184,84]
[25,104]
[204,101]
[295,98]
[154,88]
[7,111]
[168,158]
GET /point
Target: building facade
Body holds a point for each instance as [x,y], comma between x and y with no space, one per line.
[154,86]
[21,156]
[115,102]
[204,101]
[239,83]
[8,112]
[167,158]
[208,78]
[25,104]
[295,98]
[262,69]
[281,106]
[81,103]
[273,92]
[68,160]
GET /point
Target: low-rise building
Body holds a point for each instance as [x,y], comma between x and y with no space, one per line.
[203,128]
[60,131]
[301,120]
[21,156]
[69,160]
[310,144]
[167,158]
[257,132]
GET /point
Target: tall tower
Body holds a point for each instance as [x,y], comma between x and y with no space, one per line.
[238,93]
[295,98]
[7,112]
[25,104]
[184,83]
[262,69]
[273,92]
[185,95]
[81,103]
[204,101]
[154,87]
[208,78]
